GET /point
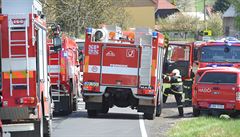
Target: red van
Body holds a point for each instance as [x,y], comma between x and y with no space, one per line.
[217,89]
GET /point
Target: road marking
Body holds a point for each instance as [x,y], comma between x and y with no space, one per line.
[142,126]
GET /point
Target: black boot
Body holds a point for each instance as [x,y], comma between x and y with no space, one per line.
[180,111]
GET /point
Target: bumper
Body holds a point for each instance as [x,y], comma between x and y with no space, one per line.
[18,127]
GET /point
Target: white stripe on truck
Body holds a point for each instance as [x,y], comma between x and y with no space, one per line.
[53,68]
[113,70]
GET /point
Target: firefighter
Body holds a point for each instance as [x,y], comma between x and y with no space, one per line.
[176,89]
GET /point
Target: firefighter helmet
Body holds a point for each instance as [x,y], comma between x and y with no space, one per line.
[176,72]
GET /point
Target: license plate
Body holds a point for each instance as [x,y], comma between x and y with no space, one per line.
[216,106]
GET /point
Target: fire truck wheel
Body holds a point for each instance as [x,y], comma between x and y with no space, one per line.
[149,116]
[75,104]
[105,109]
[92,113]
[159,105]
[196,112]
[1,132]
[47,128]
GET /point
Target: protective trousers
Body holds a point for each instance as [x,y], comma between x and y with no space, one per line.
[178,97]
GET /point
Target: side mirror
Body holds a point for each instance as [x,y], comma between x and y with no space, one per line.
[57,43]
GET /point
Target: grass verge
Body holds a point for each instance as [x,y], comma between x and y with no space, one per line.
[206,127]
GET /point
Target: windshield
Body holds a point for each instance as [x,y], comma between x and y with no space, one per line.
[220,54]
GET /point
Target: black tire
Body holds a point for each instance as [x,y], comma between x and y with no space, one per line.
[47,128]
[149,116]
[234,114]
[196,112]
[75,104]
[159,105]
[1,132]
[105,110]
[92,113]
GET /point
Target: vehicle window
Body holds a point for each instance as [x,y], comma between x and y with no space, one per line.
[220,53]
[176,53]
[218,77]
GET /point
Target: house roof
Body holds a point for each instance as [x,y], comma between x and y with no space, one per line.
[164,4]
[231,12]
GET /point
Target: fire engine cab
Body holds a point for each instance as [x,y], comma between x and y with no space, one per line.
[123,69]
[219,53]
[26,104]
[64,71]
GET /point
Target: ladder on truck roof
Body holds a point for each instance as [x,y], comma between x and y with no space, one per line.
[16,43]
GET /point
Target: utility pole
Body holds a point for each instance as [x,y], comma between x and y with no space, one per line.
[204,6]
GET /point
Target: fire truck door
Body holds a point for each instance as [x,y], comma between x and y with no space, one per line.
[120,66]
[177,57]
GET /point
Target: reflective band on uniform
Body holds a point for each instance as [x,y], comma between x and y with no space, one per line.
[165,94]
[180,106]
[176,84]
[176,92]
[179,80]
[17,74]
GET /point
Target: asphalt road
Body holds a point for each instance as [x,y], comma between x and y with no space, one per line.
[119,122]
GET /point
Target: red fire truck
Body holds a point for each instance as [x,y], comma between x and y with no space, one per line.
[64,71]
[179,55]
[219,53]
[26,104]
[123,70]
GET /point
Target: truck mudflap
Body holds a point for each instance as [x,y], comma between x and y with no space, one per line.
[13,113]
[11,128]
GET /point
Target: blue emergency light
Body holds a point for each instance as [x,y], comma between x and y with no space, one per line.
[154,34]
[89,31]
[219,65]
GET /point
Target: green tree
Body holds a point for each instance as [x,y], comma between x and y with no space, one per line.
[75,15]
[215,24]
[221,5]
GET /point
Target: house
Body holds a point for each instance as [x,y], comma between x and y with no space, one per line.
[229,26]
[141,13]
[165,9]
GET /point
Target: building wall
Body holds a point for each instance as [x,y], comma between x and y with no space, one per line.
[229,26]
[141,16]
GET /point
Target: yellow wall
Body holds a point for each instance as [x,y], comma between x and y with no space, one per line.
[141,16]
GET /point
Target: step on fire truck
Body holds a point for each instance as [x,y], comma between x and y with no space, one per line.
[26,104]
[64,71]
[123,70]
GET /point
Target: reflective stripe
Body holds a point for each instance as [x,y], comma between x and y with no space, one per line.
[179,80]
[165,94]
[113,70]
[176,92]
[18,64]
[177,84]
[17,74]
[54,68]
[180,106]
